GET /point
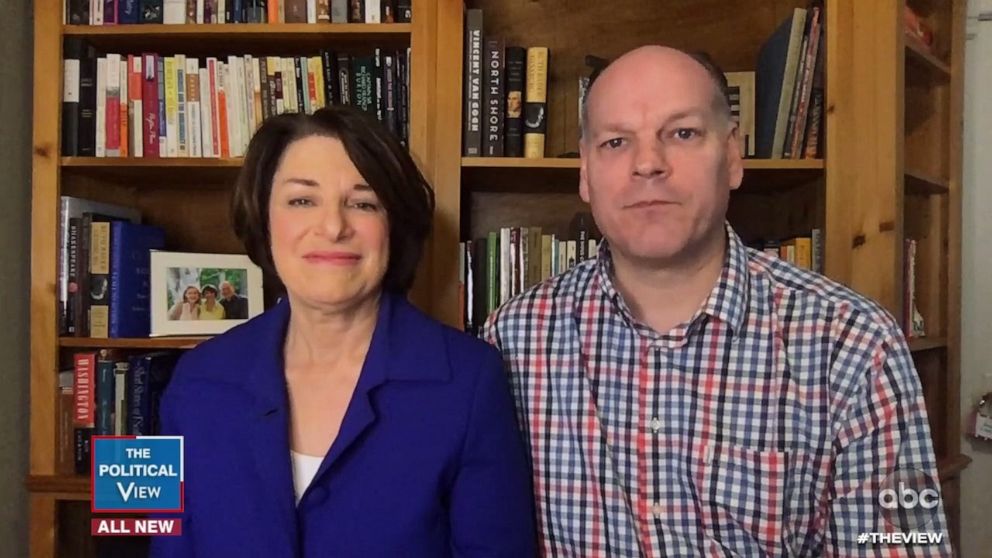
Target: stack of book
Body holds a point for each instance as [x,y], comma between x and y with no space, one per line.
[150,105]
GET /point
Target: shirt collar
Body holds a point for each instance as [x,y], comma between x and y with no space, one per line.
[727,302]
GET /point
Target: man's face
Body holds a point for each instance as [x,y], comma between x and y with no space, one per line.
[658,159]
[226,291]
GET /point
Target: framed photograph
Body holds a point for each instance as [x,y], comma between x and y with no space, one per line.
[202,294]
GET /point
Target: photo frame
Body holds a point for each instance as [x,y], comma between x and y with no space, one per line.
[202,294]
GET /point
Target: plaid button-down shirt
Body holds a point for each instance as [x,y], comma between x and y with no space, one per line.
[763,426]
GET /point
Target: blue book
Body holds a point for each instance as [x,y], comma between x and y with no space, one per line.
[130,277]
[149,374]
[130,12]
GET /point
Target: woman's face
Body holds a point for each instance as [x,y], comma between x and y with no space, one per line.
[192,295]
[329,233]
[209,296]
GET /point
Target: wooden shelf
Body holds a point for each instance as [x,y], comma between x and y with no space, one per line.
[918,182]
[62,487]
[927,343]
[572,163]
[170,172]
[142,343]
[950,467]
[919,56]
[550,175]
[231,38]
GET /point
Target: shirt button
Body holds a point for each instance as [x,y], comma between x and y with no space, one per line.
[655,424]
[656,509]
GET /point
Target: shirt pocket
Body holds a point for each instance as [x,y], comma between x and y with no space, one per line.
[742,495]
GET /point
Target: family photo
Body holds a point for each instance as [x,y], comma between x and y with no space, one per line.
[206,294]
[202,294]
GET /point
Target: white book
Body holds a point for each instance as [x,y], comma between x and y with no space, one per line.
[173,11]
[206,114]
[311,11]
[101,107]
[113,104]
[221,10]
[96,12]
[257,92]
[288,66]
[136,112]
[243,133]
[193,107]
[249,96]
[199,11]
[372,12]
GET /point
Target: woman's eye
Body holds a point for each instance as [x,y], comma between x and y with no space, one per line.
[366,206]
[300,202]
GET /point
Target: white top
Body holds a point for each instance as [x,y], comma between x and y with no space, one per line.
[304,469]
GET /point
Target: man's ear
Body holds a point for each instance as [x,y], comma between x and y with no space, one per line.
[735,161]
[583,171]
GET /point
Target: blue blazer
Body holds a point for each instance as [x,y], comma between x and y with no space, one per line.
[428,461]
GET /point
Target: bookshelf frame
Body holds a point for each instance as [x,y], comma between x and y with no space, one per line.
[870,169]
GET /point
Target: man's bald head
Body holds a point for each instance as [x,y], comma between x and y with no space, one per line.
[655,56]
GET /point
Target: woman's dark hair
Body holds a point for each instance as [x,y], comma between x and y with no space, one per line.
[377,154]
[210,289]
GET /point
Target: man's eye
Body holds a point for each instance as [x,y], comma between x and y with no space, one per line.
[613,143]
[686,133]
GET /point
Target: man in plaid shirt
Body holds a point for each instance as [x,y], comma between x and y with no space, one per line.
[683,395]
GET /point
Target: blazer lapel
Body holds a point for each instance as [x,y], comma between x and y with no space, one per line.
[268,424]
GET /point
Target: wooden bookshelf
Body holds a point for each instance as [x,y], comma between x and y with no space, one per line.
[143,343]
[186,196]
[892,168]
[917,55]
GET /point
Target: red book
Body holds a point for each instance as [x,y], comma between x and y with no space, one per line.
[84,389]
[149,105]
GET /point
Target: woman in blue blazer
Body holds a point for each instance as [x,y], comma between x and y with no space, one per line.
[343,421]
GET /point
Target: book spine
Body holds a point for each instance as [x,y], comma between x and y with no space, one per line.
[70,97]
[516,60]
[135,106]
[72,279]
[171,107]
[83,388]
[363,70]
[404,11]
[79,12]
[389,76]
[206,114]
[163,148]
[339,11]
[356,11]
[379,89]
[137,397]
[472,132]
[493,139]
[182,118]
[105,395]
[101,107]
[330,79]
[152,11]
[344,78]
[130,12]
[536,102]
[99,278]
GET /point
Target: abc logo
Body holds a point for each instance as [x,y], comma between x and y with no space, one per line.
[909,499]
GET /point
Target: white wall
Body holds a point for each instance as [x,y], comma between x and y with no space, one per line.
[976,273]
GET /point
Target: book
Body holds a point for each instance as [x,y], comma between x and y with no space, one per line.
[740,93]
[775,78]
[472,127]
[493,99]
[536,102]
[516,61]
[130,277]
